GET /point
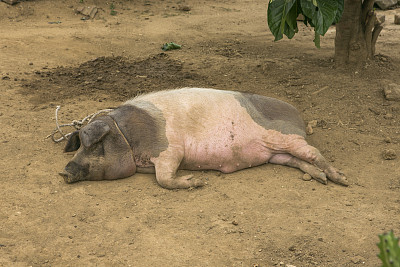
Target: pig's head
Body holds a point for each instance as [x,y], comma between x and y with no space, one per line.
[102,153]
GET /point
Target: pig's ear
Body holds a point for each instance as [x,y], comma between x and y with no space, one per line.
[93,132]
[73,142]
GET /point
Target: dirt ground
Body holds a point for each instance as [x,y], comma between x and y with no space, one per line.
[263,216]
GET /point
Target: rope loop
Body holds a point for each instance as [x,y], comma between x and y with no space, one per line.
[77,124]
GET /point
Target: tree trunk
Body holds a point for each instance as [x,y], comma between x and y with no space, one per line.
[356,33]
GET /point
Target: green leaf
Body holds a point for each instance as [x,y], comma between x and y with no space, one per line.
[282,16]
[322,15]
[319,14]
[170,46]
[339,11]
[291,17]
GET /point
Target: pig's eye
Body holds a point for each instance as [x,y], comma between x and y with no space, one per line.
[97,149]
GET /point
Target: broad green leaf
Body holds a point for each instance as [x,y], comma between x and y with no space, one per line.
[339,11]
[291,17]
[322,15]
[280,18]
[319,14]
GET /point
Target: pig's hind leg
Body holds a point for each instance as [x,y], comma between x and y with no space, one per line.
[292,161]
[303,151]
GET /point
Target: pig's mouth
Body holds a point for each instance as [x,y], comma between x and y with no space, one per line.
[74,172]
[69,177]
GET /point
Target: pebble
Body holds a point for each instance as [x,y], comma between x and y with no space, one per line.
[387,139]
[389,154]
[392,92]
[313,123]
[397,19]
[388,116]
[309,130]
[357,260]
[306,177]
[185,8]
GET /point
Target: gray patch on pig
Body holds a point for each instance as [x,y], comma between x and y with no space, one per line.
[143,125]
[272,114]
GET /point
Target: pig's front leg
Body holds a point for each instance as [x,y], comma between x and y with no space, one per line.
[166,166]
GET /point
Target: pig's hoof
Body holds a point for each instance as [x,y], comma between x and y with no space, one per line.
[337,177]
[198,183]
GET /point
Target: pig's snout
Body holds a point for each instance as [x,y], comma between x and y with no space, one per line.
[74,172]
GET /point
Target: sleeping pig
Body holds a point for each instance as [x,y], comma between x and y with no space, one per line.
[193,129]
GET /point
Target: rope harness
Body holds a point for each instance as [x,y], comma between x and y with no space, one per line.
[126,140]
[77,124]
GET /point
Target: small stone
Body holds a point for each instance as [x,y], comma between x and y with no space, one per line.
[397,19]
[388,116]
[306,177]
[389,154]
[392,92]
[387,139]
[310,125]
[357,260]
[309,130]
[235,223]
[385,4]
[185,8]
[313,123]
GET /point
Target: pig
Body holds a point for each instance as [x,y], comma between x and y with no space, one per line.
[193,129]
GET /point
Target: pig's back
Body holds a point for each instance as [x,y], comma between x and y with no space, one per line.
[191,105]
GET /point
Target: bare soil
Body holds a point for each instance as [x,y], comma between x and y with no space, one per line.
[262,216]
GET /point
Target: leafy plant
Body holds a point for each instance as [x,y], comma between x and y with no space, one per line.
[112,8]
[170,46]
[389,250]
[319,14]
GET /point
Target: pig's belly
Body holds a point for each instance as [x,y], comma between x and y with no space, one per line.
[225,153]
